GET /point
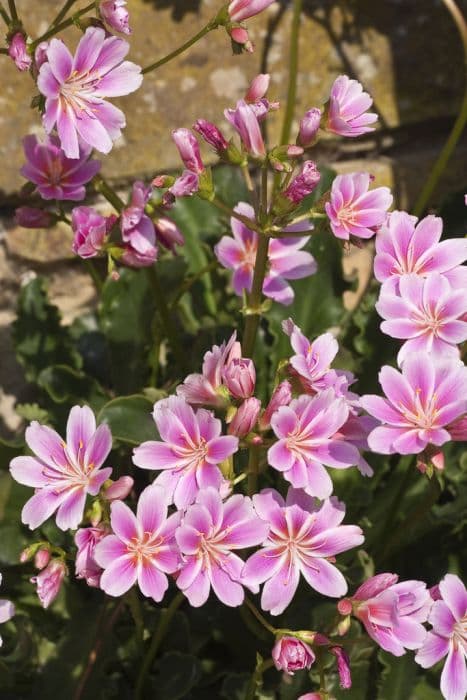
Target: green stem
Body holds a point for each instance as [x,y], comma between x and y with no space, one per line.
[259,617]
[458,126]
[191,281]
[101,186]
[244,219]
[213,24]
[253,469]
[63,25]
[256,678]
[136,613]
[166,618]
[13,12]
[63,12]
[293,71]
[166,318]
[254,302]
[94,275]
[6,19]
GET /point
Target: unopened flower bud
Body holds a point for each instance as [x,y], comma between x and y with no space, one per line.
[309,127]
[290,654]
[245,418]
[163,181]
[188,148]
[17,51]
[239,376]
[241,38]
[281,396]
[115,15]
[49,581]
[343,667]
[212,135]
[40,54]
[168,234]
[41,558]
[33,217]
[119,489]
[258,87]
[304,183]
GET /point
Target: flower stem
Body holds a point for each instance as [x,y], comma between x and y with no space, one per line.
[253,609]
[4,16]
[256,678]
[63,12]
[230,212]
[63,25]
[165,316]
[213,24]
[293,71]
[101,186]
[93,273]
[458,126]
[190,281]
[13,12]
[166,618]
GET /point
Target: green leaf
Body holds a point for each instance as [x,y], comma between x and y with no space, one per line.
[67,385]
[32,411]
[129,418]
[176,674]
[397,678]
[39,337]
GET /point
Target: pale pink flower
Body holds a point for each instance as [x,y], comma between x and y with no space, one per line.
[138,232]
[239,377]
[309,127]
[191,449]
[86,539]
[240,10]
[55,175]
[347,111]
[75,88]
[245,418]
[115,15]
[17,51]
[353,209]
[393,613]
[40,54]
[167,233]
[244,119]
[421,402]
[32,217]
[258,87]
[91,231]
[303,539]
[306,430]
[207,388]
[188,148]
[184,186]
[49,581]
[63,472]
[7,610]
[291,654]
[210,530]
[286,260]
[405,245]
[427,312]
[312,361]
[448,618]
[142,548]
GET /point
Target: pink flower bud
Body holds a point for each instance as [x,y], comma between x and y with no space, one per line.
[258,87]
[245,121]
[119,489]
[86,540]
[163,181]
[42,558]
[91,230]
[168,234]
[18,52]
[184,186]
[40,54]
[309,126]
[343,667]
[344,606]
[32,217]
[311,696]
[245,418]
[188,148]
[49,581]
[304,183]
[115,15]
[211,134]
[239,376]
[240,10]
[290,654]
[240,36]
[281,396]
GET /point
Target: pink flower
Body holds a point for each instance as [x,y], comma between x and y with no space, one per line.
[91,231]
[188,148]
[239,376]
[286,259]
[353,209]
[56,176]
[240,10]
[303,539]
[7,610]
[191,449]
[63,472]
[115,15]
[304,183]
[245,418]
[167,233]
[32,217]
[312,361]
[184,186]
[420,403]
[17,51]
[343,667]
[243,118]
[428,312]
[142,548]
[49,581]
[75,88]
[138,232]
[404,246]
[347,112]
[291,654]
[281,396]
[306,431]
[448,618]
[312,696]
[86,566]
[309,126]
[393,613]
[211,134]
[206,388]
[210,530]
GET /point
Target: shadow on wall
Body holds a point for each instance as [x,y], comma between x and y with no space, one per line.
[179,8]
